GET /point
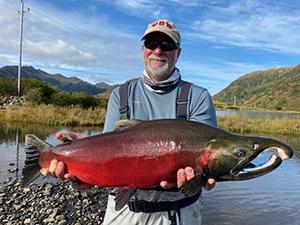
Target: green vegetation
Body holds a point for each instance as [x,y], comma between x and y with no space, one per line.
[82,99]
[35,90]
[46,105]
[39,92]
[239,124]
[272,89]
[54,115]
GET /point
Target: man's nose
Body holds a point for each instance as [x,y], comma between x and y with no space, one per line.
[158,50]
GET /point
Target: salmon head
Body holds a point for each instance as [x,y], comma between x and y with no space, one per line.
[231,157]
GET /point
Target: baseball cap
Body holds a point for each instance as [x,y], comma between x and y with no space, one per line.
[166,27]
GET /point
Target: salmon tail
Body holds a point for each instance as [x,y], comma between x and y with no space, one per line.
[33,147]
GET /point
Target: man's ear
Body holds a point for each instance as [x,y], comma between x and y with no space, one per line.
[178,52]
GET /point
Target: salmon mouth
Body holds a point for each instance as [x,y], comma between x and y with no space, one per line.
[249,168]
[252,170]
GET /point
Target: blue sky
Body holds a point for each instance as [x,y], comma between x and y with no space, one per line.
[99,40]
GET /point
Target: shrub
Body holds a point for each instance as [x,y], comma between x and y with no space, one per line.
[44,90]
[8,86]
[82,99]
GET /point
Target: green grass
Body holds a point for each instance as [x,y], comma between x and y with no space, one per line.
[54,115]
[239,124]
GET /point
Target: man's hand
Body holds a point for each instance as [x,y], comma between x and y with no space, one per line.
[65,137]
[183,175]
[59,169]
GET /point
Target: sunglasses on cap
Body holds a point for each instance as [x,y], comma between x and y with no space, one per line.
[164,45]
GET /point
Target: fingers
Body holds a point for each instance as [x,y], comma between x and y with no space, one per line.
[210,184]
[183,175]
[58,136]
[52,166]
[56,168]
[166,185]
[65,137]
[71,178]
[60,170]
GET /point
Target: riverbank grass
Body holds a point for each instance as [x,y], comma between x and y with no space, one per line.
[240,124]
[54,115]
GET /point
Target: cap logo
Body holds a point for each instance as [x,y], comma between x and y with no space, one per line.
[162,23]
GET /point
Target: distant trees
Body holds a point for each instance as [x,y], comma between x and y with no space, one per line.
[77,98]
[8,86]
[39,92]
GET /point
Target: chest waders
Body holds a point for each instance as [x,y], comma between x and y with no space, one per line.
[172,207]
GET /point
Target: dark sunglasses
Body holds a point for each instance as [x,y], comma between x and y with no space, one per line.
[164,45]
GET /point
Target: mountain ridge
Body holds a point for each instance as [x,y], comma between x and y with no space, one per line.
[273,88]
[63,83]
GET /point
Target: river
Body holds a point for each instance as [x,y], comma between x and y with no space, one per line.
[270,199]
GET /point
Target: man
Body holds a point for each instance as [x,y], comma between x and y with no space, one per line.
[155,96]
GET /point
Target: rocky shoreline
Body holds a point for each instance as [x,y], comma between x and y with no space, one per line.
[52,204]
[6,102]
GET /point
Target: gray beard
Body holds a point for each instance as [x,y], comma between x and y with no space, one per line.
[160,73]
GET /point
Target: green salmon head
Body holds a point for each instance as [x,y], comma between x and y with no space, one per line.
[231,158]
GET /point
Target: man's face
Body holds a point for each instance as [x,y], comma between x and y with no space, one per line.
[159,62]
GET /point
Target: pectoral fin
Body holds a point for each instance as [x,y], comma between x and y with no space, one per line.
[192,186]
[122,197]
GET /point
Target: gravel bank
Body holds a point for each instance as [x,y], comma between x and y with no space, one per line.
[50,204]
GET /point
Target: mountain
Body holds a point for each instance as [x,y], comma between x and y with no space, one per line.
[67,84]
[275,88]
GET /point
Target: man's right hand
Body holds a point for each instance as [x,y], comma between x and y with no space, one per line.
[60,169]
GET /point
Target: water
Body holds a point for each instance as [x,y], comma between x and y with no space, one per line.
[270,199]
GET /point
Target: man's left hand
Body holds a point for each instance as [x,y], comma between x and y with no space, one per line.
[184,175]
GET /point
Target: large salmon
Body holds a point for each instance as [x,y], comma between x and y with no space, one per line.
[140,154]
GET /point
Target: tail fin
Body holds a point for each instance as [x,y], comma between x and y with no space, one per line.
[33,147]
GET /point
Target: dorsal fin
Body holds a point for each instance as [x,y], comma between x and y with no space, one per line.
[124,124]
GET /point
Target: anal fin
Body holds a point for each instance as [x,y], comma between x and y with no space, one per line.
[123,196]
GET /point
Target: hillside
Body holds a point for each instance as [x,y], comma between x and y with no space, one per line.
[67,84]
[272,89]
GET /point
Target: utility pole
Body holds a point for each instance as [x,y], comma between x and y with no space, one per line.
[21,41]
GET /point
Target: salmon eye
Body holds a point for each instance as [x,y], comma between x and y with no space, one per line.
[240,152]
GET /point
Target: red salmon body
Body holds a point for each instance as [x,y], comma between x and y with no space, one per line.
[137,157]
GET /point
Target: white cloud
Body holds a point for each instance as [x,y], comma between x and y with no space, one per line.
[251,24]
[57,49]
